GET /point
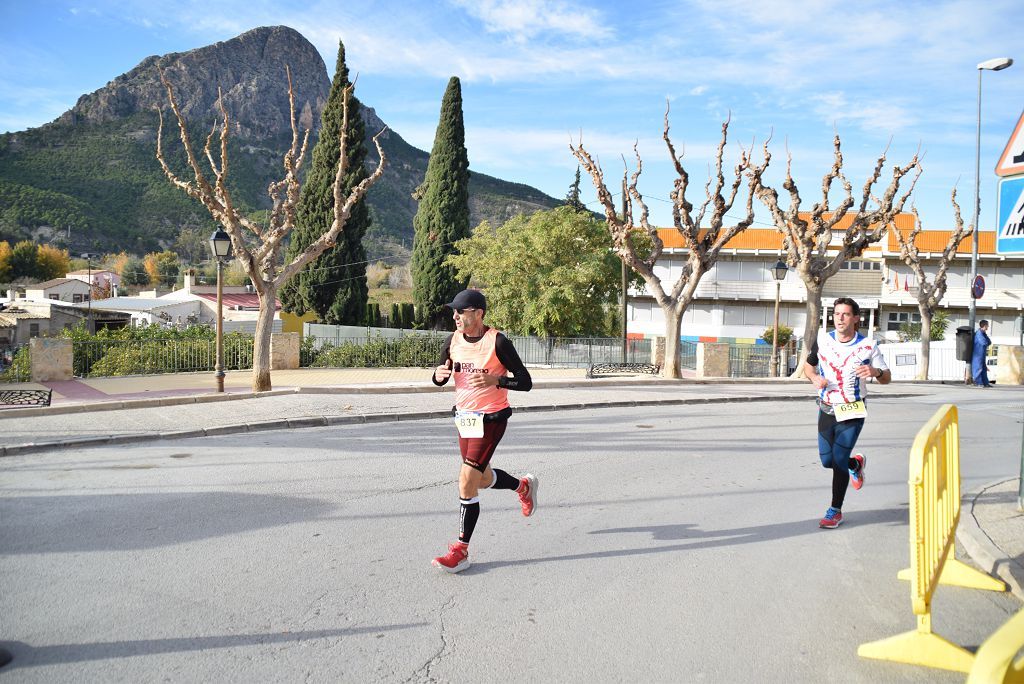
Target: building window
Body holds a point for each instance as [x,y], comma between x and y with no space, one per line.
[861,266]
[57,297]
[898,318]
[76,299]
[33,330]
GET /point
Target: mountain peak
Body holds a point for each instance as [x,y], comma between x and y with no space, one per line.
[249,69]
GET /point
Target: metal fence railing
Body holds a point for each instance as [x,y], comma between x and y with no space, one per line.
[15,364]
[688,355]
[370,351]
[104,358]
[333,351]
[750,360]
[579,352]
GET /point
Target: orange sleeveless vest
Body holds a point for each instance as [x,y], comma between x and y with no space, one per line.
[477,357]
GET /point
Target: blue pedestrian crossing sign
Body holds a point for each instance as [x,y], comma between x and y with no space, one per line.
[1010,231]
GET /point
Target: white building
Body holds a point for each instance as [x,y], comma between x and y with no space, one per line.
[60,289]
[104,281]
[144,311]
[240,302]
[735,301]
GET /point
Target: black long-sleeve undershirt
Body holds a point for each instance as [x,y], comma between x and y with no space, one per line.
[507,354]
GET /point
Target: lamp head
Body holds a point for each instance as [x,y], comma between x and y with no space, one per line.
[220,244]
[997,64]
[779,270]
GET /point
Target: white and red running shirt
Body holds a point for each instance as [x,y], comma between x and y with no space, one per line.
[836,362]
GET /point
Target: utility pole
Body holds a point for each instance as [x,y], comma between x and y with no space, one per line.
[88,261]
[625,339]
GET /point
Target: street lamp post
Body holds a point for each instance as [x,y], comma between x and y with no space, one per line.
[779,273]
[997,64]
[220,246]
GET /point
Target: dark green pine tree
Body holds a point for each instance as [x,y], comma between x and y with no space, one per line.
[334,285]
[572,199]
[442,216]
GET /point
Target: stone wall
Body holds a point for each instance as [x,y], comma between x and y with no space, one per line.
[1010,368]
[284,350]
[51,359]
[712,360]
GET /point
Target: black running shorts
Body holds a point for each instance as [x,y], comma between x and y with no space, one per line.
[477,451]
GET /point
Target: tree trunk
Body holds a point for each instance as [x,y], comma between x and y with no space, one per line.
[673,322]
[261,342]
[926,343]
[811,325]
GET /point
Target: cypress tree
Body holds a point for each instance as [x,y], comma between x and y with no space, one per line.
[442,216]
[572,199]
[334,285]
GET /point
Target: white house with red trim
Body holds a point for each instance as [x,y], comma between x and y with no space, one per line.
[98,278]
[240,302]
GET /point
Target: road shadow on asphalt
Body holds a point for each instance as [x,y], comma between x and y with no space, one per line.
[128,522]
[706,539]
[26,655]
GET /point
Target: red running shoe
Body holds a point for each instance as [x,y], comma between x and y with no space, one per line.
[833,519]
[456,560]
[528,494]
[857,478]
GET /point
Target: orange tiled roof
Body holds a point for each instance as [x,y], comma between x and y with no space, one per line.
[752,238]
[935,241]
[771,239]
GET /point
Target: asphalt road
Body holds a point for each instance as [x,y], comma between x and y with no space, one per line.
[671,544]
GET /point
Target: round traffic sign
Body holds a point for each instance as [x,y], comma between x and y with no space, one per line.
[978,288]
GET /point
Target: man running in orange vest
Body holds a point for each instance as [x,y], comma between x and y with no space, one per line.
[480,359]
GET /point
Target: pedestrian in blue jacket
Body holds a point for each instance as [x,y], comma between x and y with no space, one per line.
[979,369]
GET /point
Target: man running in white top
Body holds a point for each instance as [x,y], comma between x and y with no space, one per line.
[839,365]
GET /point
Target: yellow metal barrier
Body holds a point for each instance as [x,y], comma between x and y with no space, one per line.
[934,514]
[997,661]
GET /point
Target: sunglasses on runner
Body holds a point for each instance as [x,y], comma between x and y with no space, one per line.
[463,311]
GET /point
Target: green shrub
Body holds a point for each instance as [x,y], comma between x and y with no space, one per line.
[785,335]
[20,369]
[154,349]
[413,351]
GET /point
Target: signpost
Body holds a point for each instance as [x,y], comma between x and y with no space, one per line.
[1010,203]
[1011,161]
[978,287]
[1010,231]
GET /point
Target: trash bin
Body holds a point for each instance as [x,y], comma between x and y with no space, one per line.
[964,343]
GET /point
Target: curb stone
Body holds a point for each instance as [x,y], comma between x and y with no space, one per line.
[328,421]
[980,547]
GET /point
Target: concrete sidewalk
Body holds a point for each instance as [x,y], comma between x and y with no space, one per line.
[100,411]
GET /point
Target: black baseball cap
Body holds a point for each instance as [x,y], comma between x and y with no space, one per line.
[468,299]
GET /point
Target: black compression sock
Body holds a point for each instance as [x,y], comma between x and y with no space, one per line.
[503,480]
[840,482]
[470,509]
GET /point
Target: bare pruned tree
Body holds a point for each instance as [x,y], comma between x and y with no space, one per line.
[807,237]
[262,262]
[703,243]
[930,294]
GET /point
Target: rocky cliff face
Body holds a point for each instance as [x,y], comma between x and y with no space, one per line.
[250,71]
[94,168]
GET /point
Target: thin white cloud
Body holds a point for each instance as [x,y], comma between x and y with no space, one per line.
[875,117]
[523,20]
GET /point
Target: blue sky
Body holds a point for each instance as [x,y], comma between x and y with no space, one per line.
[535,73]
